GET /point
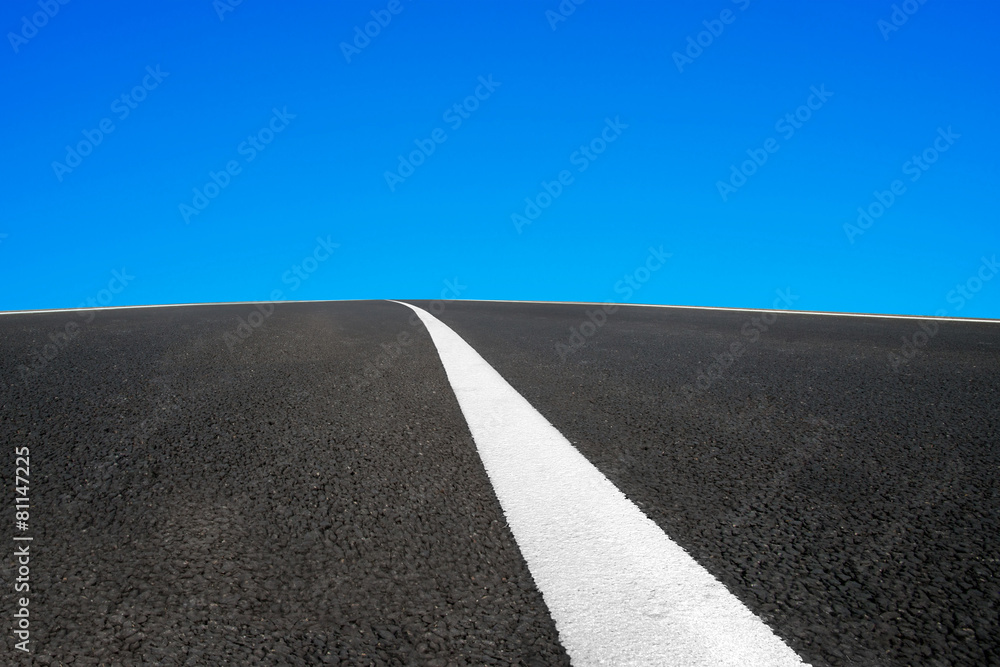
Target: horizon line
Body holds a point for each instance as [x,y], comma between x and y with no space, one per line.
[579,303]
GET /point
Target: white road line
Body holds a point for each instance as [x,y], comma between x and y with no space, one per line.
[620,591]
[155,305]
[747,310]
[550,303]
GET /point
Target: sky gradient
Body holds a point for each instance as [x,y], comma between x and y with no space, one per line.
[214,151]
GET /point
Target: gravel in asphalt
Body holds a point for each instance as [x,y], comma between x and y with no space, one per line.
[307,495]
[853,506]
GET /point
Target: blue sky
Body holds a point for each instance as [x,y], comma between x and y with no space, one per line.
[644,109]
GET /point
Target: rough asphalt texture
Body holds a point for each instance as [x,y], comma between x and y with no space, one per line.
[856,509]
[268,504]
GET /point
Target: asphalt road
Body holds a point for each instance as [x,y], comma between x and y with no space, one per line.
[311,494]
[273,509]
[851,502]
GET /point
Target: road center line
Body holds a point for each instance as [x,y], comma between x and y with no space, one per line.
[619,590]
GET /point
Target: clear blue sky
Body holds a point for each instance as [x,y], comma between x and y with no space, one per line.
[191,88]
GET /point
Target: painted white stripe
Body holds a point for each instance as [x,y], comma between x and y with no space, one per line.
[620,591]
[553,303]
[165,305]
[748,310]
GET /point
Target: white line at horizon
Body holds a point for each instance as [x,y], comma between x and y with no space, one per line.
[173,305]
[620,591]
[553,303]
[745,310]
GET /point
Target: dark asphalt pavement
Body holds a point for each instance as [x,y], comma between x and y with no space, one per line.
[848,498]
[198,499]
[310,494]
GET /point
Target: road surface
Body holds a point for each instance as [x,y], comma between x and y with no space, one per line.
[304,488]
